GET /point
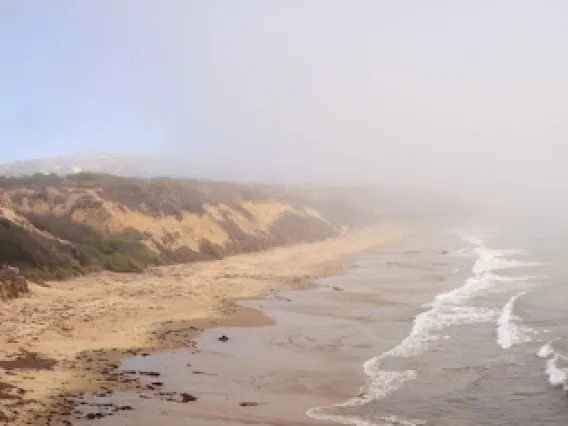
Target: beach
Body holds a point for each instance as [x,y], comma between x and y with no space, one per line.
[302,348]
[310,355]
[66,339]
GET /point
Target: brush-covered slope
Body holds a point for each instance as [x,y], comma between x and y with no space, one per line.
[68,225]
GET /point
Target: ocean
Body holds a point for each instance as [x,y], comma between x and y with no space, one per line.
[492,349]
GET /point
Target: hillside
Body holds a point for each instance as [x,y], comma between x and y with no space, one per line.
[54,227]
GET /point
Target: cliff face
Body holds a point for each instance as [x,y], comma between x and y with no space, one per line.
[65,226]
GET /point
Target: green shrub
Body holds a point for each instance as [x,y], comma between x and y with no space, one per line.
[117,262]
[123,251]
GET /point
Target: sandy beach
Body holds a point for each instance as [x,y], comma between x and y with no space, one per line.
[67,338]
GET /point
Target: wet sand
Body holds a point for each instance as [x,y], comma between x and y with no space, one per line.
[308,353]
[80,329]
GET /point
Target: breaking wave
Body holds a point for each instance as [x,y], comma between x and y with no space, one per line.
[556,365]
[510,329]
[447,309]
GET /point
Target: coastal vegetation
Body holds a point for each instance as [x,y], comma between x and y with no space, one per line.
[57,227]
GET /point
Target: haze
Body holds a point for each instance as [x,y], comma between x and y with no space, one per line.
[460,93]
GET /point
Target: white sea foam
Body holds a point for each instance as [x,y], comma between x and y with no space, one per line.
[447,309]
[383,384]
[510,329]
[513,252]
[474,241]
[546,351]
[491,260]
[506,279]
[556,363]
[363,421]
[431,321]
[396,420]
[556,376]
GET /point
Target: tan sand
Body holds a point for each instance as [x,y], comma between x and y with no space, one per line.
[143,311]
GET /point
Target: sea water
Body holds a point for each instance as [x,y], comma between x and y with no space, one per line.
[493,350]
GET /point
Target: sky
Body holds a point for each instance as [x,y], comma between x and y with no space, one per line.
[444,91]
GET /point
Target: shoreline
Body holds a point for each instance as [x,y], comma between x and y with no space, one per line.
[212,287]
[311,355]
